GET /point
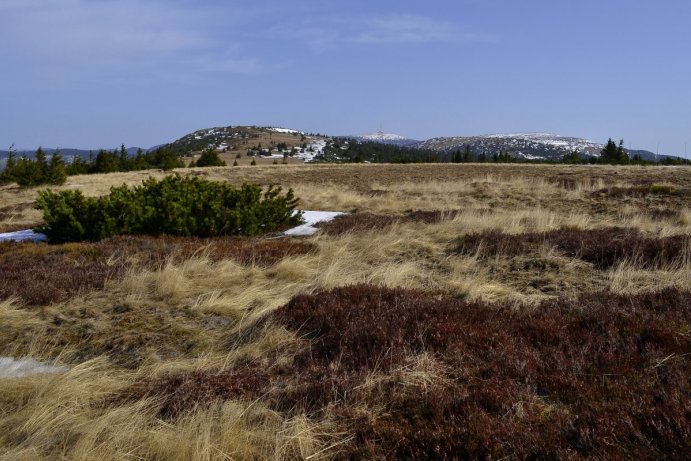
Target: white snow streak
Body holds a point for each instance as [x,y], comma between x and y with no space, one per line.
[18,368]
[22,236]
[311,218]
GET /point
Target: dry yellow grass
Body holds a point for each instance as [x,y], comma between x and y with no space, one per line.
[185,315]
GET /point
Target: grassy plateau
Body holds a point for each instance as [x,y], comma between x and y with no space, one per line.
[456,312]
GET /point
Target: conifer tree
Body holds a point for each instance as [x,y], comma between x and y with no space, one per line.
[210,157]
[467,155]
[77,166]
[614,154]
[7,174]
[57,172]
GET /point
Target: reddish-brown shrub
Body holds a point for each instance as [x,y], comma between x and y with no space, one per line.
[360,222]
[41,274]
[603,248]
[154,251]
[642,191]
[181,393]
[664,213]
[357,222]
[606,376]
[582,377]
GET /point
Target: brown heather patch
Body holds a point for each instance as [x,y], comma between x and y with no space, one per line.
[357,222]
[361,222]
[664,214]
[605,376]
[587,378]
[179,394]
[604,248]
[41,274]
[152,252]
[664,190]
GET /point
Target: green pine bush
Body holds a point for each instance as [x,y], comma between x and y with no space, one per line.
[210,157]
[174,206]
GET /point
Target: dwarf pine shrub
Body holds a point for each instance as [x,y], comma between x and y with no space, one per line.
[173,206]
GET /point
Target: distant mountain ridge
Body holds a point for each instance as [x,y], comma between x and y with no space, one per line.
[525,146]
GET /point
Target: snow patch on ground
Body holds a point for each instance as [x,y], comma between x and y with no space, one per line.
[314,148]
[283,130]
[18,368]
[23,236]
[311,218]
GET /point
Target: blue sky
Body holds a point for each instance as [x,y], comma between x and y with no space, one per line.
[97,73]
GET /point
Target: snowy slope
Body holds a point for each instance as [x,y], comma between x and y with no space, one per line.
[522,145]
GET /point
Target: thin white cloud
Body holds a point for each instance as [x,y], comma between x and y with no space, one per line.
[107,39]
[412,29]
[393,29]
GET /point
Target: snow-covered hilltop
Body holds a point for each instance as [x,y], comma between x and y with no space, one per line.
[381,136]
[268,142]
[522,145]
[385,138]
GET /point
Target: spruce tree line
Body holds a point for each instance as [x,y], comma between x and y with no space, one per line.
[29,172]
[106,161]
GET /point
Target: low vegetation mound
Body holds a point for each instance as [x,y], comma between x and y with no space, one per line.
[604,248]
[39,274]
[189,206]
[413,375]
[361,222]
[664,190]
